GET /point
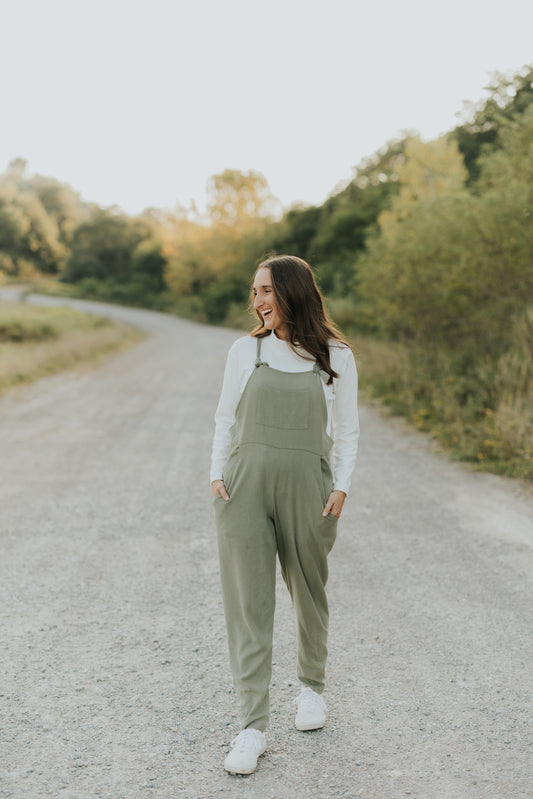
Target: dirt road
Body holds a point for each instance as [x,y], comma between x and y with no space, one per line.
[114,679]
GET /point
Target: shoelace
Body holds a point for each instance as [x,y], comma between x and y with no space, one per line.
[244,739]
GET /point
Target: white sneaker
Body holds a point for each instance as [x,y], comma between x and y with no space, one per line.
[311,714]
[246,748]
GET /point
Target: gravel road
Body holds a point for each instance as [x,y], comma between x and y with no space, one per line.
[114,679]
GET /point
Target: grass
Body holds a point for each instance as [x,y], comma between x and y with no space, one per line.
[497,439]
[38,342]
[53,287]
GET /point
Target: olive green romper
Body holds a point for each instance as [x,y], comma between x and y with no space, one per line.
[278,477]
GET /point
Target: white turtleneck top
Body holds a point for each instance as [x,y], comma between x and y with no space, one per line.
[341,399]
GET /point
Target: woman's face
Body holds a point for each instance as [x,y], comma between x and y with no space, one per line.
[265,302]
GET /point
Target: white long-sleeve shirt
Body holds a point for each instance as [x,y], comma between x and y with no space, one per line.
[341,399]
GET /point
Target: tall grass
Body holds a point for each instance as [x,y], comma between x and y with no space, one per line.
[485,417]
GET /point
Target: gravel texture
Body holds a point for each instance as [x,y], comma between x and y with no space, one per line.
[115,680]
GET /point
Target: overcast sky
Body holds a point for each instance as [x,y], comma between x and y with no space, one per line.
[138,102]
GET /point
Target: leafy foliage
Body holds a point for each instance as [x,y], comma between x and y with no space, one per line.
[37,218]
[508,99]
[450,274]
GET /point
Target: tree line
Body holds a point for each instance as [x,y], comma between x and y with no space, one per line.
[427,248]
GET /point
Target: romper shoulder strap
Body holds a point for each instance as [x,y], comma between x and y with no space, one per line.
[321,372]
[258,360]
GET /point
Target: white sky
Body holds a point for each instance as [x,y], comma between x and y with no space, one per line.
[138,102]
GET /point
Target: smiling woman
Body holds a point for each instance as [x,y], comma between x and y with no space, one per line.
[289,394]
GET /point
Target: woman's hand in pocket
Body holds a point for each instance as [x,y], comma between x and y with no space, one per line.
[334,503]
[218,488]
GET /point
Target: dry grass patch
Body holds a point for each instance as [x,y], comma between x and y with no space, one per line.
[37,342]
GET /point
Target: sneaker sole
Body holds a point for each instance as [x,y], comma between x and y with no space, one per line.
[309,727]
[244,770]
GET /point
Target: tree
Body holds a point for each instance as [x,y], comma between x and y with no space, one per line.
[29,237]
[239,200]
[206,256]
[451,269]
[429,170]
[103,246]
[61,203]
[188,269]
[509,97]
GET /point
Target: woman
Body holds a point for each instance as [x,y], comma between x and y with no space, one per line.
[289,394]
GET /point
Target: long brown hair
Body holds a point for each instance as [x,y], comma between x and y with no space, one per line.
[302,308]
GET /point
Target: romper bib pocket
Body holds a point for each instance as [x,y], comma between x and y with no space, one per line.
[284,409]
